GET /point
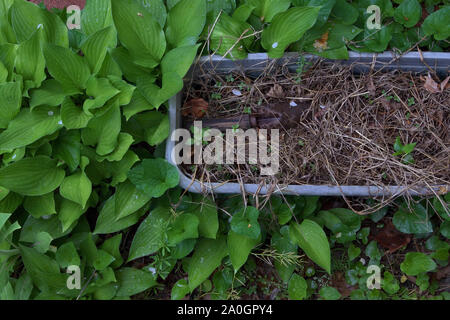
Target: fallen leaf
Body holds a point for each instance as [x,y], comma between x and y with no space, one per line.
[445,84]
[195,108]
[432,86]
[338,282]
[276,91]
[390,238]
[322,43]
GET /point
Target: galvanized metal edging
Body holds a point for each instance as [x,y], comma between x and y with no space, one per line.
[412,61]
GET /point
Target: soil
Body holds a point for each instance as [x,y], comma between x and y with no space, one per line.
[60,4]
[348,128]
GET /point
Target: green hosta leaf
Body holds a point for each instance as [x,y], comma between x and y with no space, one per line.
[112,246]
[33,226]
[313,241]
[103,131]
[68,213]
[10,102]
[73,116]
[185,22]
[206,212]
[343,223]
[230,37]
[77,188]
[32,176]
[180,289]
[10,202]
[377,40]
[110,67]
[445,229]
[408,13]
[123,144]
[43,270]
[239,247]
[103,260]
[100,91]
[243,12]
[297,287]
[26,17]
[67,67]
[154,177]
[436,24]
[417,221]
[329,293]
[133,281]
[126,89]
[8,57]
[207,257]
[67,147]
[24,287]
[67,255]
[3,73]
[286,28]
[131,71]
[42,243]
[245,222]
[96,15]
[106,222]
[389,283]
[158,129]
[353,252]
[50,94]
[172,83]
[128,199]
[344,12]
[179,60]
[267,9]
[40,205]
[30,62]
[416,263]
[150,236]
[184,227]
[325,9]
[96,46]
[139,32]
[137,104]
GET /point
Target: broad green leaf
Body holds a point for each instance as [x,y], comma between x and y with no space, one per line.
[313,241]
[67,255]
[8,57]
[416,263]
[442,206]
[353,252]
[389,283]
[32,176]
[154,177]
[185,22]
[24,287]
[26,17]
[50,93]
[76,188]
[73,116]
[10,202]
[10,102]
[150,236]
[126,89]
[68,213]
[377,40]
[344,12]
[417,221]
[179,60]
[42,242]
[172,83]
[3,73]
[325,9]
[103,260]
[96,46]
[40,205]
[206,212]
[436,24]
[185,226]
[239,247]
[156,126]
[297,287]
[67,67]
[112,246]
[231,37]
[128,199]
[286,28]
[139,32]
[245,222]
[96,15]
[130,70]
[123,144]
[329,293]
[207,257]
[43,270]
[243,12]
[103,131]
[100,91]
[30,62]
[282,244]
[445,229]
[408,13]
[106,222]
[267,9]
[67,147]
[137,104]
[157,9]
[133,281]
[110,67]
[33,226]
[180,289]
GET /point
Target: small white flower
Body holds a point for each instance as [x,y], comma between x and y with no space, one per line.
[46,217]
[274,45]
[14,156]
[293,104]
[40,26]
[152,270]
[236,92]
[50,113]
[60,122]
[363,261]
[338,235]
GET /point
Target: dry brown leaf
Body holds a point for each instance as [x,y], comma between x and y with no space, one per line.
[322,43]
[338,282]
[390,238]
[433,87]
[276,91]
[195,108]
[445,84]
